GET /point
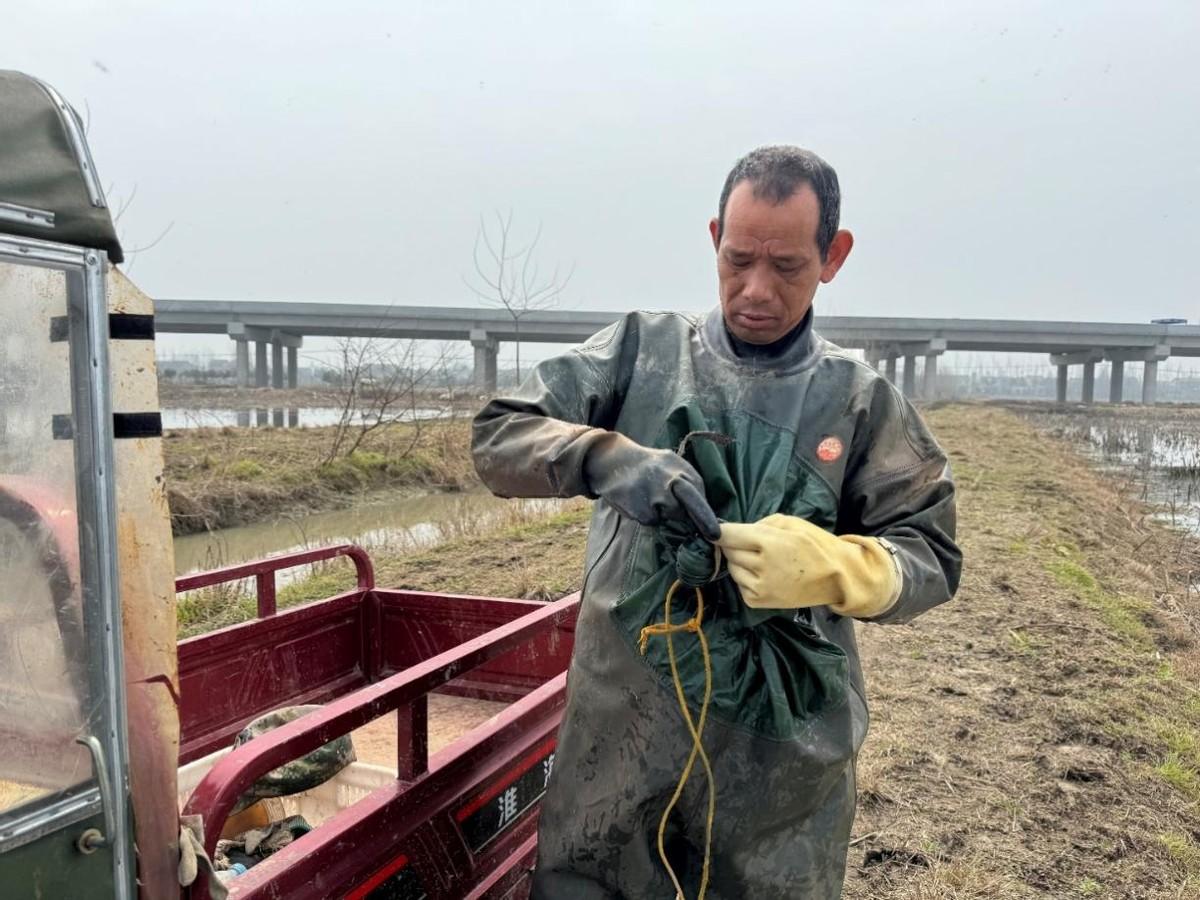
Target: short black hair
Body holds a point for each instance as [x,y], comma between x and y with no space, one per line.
[776,173]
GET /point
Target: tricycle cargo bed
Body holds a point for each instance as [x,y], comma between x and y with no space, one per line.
[453,702]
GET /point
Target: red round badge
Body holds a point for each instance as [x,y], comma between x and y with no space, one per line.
[829,449]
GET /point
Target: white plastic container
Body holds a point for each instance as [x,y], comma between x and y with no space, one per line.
[344,789]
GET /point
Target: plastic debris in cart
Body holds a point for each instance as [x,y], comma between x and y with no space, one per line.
[251,847]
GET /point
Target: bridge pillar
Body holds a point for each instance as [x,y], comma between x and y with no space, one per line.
[1060,390]
[931,350]
[1116,381]
[1085,358]
[292,377]
[1149,382]
[486,351]
[891,369]
[242,352]
[1150,372]
[910,375]
[1089,382]
[242,334]
[929,381]
[260,363]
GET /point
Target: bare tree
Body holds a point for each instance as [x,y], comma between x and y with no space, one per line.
[382,382]
[507,274]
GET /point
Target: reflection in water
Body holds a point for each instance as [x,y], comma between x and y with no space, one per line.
[1161,450]
[302,417]
[402,525]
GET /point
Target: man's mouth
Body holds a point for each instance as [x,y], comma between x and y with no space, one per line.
[753,319]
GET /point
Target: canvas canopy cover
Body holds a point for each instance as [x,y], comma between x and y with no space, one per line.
[48,184]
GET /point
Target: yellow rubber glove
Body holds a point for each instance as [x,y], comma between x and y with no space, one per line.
[784,562]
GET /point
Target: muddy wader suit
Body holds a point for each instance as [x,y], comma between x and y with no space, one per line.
[816,435]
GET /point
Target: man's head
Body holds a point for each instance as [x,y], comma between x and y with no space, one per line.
[776,236]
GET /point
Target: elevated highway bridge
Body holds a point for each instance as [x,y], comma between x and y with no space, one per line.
[278,328]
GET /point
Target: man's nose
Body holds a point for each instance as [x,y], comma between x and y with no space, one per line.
[756,287]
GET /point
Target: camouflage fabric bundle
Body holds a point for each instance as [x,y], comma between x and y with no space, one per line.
[301,774]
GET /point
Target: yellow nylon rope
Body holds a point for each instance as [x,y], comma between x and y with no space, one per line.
[667,629]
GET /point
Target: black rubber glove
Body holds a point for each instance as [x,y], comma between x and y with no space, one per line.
[648,486]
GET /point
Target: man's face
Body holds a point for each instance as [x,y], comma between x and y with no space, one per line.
[769,264]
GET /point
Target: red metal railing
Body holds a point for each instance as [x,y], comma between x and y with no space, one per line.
[218,792]
[263,572]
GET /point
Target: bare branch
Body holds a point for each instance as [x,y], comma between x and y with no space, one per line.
[512,278]
[162,234]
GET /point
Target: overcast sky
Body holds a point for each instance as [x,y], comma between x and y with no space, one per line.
[1024,160]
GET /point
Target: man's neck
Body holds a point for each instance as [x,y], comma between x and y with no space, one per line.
[773,350]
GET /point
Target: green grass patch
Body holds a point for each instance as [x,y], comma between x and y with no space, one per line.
[1121,614]
[342,474]
[1021,642]
[1183,850]
[1019,547]
[368,461]
[208,609]
[245,469]
[1181,775]
[1193,704]
[332,580]
[1181,741]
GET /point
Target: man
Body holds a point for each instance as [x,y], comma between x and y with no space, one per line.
[836,504]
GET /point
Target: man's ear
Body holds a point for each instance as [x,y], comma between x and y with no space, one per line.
[839,249]
[716,235]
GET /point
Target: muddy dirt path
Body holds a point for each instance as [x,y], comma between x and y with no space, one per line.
[1039,736]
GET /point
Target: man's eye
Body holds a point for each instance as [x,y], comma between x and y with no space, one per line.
[787,269]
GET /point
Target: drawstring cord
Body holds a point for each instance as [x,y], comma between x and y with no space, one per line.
[668,630]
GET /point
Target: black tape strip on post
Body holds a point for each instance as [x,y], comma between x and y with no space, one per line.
[125,425]
[121,327]
[137,425]
[130,327]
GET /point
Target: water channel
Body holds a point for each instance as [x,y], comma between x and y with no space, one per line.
[401,525]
